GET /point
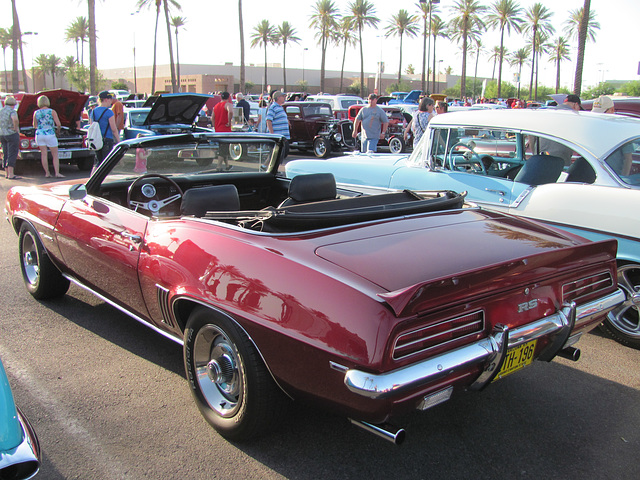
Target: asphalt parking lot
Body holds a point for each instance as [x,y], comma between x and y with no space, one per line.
[108,399]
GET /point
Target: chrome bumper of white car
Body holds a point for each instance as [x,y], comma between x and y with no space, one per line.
[23,461]
[489,352]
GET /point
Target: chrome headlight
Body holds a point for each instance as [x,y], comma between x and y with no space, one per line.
[338,137]
[24,143]
[34,144]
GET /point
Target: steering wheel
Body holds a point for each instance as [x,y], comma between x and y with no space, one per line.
[469,154]
[154,204]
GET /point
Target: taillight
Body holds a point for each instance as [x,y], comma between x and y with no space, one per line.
[581,290]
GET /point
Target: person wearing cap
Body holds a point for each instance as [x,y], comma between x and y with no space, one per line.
[9,136]
[374,123]
[603,104]
[106,119]
[573,102]
[277,121]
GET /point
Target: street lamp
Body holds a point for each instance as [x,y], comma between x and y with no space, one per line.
[303,50]
[135,75]
[33,77]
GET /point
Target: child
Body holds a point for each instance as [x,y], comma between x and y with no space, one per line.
[252,125]
[141,159]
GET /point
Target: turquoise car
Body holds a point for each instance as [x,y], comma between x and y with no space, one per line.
[19,447]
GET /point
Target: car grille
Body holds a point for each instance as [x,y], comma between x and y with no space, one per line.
[424,338]
[347,133]
[583,289]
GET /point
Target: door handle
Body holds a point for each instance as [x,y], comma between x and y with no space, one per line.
[132,236]
[499,192]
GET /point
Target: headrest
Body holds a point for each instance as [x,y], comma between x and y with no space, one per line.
[198,201]
[313,187]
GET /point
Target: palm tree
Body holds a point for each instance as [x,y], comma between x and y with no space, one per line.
[325,21]
[264,34]
[42,66]
[172,66]
[285,34]
[402,24]
[559,51]
[16,44]
[582,26]
[496,53]
[362,14]
[5,42]
[541,48]
[504,15]
[177,22]
[345,36]
[78,32]
[467,23]
[477,49]
[438,29]
[426,11]
[537,21]
[519,58]
[54,64]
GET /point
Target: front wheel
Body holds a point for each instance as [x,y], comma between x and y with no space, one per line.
[321,147]
[41,277]
[623,323]
[235,151]
[396,145]
[229,381]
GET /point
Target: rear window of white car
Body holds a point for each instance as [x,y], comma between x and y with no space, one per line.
[625,162]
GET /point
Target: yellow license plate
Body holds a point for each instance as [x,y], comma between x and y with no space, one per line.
[517,358]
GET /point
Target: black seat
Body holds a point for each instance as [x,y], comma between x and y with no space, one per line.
[540,169]
[581,172]
[314,187]
[198,201]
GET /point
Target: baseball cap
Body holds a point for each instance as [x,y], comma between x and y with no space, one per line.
[372,96]
[602,104]
[104,95]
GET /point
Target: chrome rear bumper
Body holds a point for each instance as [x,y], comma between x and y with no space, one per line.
[23,461]
[488,352]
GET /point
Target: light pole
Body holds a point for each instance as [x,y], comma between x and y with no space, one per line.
[303,50]
[439,70]
[135,74]
[33,77]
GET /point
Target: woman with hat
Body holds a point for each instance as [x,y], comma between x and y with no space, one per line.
[9,136]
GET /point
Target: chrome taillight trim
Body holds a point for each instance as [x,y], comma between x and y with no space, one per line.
[476,317]
[571,292]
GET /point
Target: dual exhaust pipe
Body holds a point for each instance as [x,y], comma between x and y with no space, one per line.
[386,431]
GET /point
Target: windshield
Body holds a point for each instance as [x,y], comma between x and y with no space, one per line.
[315,110]
[198,157]
[346,103]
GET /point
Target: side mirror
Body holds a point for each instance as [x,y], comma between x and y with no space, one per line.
[77,192]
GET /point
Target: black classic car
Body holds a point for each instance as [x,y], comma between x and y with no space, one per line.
[313,126]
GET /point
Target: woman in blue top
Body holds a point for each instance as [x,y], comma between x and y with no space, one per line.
[105,117]
[47,123]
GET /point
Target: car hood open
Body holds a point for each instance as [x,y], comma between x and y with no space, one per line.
[176,108]
[66,103]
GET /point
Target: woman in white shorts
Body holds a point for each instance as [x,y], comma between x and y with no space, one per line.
[47,123]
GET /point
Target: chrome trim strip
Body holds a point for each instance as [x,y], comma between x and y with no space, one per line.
[24,459]
[386,385]
[141,320]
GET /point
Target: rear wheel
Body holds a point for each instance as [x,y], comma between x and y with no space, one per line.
[41,277]
[229,381]
[321,147]
[235,151]
[396,145]
[623,323]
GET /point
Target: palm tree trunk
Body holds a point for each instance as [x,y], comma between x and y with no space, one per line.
[172,64]
[582,41]
[533,61]
[284,65]
[475,73]
[93,52]
[463,80]
[537,70]
[400,65]
[242,66]
[362,64]
[24,70]
[344,56]
[433,72]
[4,56]
[265,64]
[501,60]
[424,54]
[155,48]
[15,77]
[557,73]
[178,63]
[323,47]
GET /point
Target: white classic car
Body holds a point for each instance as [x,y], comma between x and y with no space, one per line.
[579,171]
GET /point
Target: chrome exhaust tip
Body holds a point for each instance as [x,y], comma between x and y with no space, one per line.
[389,432]
[570,353]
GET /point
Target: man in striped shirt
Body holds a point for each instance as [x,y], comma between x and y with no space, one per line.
[277,121]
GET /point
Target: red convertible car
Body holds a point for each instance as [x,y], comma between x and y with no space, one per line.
[371,306]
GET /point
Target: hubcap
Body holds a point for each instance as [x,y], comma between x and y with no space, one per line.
[218,370]
[30,259]
[626,317]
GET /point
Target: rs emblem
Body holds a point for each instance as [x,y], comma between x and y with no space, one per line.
[523,307]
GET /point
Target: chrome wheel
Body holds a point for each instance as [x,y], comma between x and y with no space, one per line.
[235,151]
[396,145]
[623,323]
[321,147]
[30,259]
[219,370]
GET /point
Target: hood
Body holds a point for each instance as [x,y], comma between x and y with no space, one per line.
[467,250]
[67,104]
[176,108]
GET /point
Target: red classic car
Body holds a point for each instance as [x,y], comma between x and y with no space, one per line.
[69,105]
[394,137]
[371,306]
